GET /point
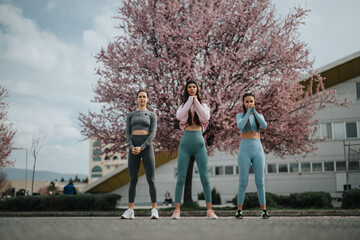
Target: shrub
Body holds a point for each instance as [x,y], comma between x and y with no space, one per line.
[351,198]
[215,196]
[295,200]
[310,200]
[251,200]
[190,205]
[201,196]
[83,202]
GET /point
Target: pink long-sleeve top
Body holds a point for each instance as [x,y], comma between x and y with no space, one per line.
[193,104]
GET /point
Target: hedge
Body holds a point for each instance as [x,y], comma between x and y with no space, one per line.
[215,196]
[83,202]
[294,200]
[351,198]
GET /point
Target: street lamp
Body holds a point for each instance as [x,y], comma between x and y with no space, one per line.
[25,167]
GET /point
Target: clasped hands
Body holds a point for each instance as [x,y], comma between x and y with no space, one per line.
[251,106]
[136,150]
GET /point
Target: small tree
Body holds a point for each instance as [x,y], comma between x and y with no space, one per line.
[7,133]
[35,149]
[76,179]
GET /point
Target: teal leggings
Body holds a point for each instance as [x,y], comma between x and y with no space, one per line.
[251,152]
[192,144]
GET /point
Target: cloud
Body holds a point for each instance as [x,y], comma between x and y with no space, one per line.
[24,43]
[102,32]
[49,81]
[51,5]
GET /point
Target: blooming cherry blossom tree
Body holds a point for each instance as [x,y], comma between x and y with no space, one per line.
[7,133]
[229,47]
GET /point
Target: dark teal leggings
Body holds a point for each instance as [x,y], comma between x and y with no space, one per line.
[192,144]
[148,158]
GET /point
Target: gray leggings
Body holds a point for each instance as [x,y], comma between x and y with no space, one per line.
[148,159]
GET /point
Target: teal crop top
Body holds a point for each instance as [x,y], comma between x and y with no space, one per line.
[242,121]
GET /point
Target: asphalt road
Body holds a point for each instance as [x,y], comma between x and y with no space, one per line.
[54,228]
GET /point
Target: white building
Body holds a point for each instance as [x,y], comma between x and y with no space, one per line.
[101,165]
[328,169]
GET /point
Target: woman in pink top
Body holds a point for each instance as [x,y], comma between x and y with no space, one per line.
[194,118]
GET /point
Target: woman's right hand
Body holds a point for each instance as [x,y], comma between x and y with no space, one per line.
[251,106]
[136,150]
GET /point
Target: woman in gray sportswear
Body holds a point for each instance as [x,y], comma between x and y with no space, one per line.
[140,131]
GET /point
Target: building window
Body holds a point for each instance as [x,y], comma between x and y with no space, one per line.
[283,168]
[115,158]
[329,166]
[358,90]
[294,167]
[305,167]
[339,131]
[326,130]
[219,170]
[96,175]
[271,168]
[96,152]
[96,169]
[107,158]
[340,166]
[351,130]
[211,171]
[317,167]
[353,165]
[108,167]
[96,159]
[116,166]
[229,170]
[237,170]
[96,144]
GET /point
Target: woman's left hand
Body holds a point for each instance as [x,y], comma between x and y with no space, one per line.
[136,150]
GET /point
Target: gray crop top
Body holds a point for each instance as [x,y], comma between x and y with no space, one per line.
[141,120]
[242,121]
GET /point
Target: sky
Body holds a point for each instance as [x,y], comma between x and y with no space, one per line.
[47,64]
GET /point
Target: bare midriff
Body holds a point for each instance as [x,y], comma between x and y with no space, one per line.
[250,135]
[140,132]
[193,128]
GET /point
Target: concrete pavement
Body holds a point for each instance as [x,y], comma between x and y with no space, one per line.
[56,228]
[143,212]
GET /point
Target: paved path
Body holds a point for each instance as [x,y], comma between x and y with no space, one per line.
[294,228]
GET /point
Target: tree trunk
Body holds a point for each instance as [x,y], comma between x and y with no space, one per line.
[32,182]
[188,181]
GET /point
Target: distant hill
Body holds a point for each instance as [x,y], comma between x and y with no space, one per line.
[17,173]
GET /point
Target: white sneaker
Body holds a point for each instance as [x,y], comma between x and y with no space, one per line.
[128,214]
[154,213]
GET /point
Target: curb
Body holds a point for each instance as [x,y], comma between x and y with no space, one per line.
[145,213]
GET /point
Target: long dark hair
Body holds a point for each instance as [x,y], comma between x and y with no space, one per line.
[244,109]
[147,94]
[186,97]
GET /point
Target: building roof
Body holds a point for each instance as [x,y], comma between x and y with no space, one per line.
[341,70]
